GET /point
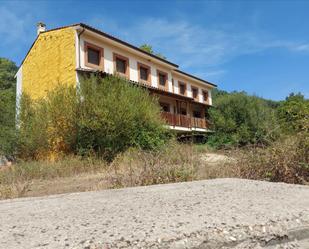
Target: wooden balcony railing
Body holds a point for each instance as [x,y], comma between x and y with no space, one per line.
[198,123]
[183,121]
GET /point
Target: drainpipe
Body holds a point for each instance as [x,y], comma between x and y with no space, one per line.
[78,36]
[78,46]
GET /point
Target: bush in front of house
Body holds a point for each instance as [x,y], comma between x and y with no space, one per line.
[239,119]
[104,117]
[116,115]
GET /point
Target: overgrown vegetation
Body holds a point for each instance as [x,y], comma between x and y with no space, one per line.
[172,163]
[286,160]
[273,136]
[239,119]
[16,180]
[293,114]
[8,70]
[103,118]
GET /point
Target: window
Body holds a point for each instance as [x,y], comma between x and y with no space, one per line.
[144,72]
[162,79]
[121,64]
[165,107]
[182,88]
[194,92]
[205,96]
[93,56]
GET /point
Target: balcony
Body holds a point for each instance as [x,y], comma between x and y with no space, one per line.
[178,120]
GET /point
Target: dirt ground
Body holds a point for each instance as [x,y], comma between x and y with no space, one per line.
[79,183]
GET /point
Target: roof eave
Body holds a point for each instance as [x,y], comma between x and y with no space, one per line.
[212,85]
[128,45]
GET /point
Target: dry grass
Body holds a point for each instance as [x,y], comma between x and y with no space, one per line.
[286,160]
[174,163]
[17,180]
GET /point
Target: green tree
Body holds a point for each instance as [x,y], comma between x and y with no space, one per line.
[116,115]
[8,70]
[240,119]
[148,48]
[294,113]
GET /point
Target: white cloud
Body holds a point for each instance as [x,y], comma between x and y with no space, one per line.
[302,48]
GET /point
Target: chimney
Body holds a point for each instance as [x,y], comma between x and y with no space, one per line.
[41,27]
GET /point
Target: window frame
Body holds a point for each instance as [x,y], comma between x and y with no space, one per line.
[197,90]
[127,68]
[139,65]
[88,45]
[165,87]
[185,86]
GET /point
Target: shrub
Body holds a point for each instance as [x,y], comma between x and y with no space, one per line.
[172,163]
[239,119]
[294,113]
[115,115]
[48,125]
[105,116]
[287,160]
[7,106]
[7,121]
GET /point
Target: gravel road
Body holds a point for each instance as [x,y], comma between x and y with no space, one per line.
[221,213]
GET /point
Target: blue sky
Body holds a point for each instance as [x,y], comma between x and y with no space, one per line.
[261,47]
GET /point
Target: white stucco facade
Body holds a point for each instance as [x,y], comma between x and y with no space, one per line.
[110,47]
[108,57]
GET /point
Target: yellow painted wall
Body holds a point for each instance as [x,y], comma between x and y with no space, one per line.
[50,62]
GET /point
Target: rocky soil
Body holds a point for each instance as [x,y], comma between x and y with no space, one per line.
[221,213]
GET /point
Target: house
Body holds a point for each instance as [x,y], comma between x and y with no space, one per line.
[63,54]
